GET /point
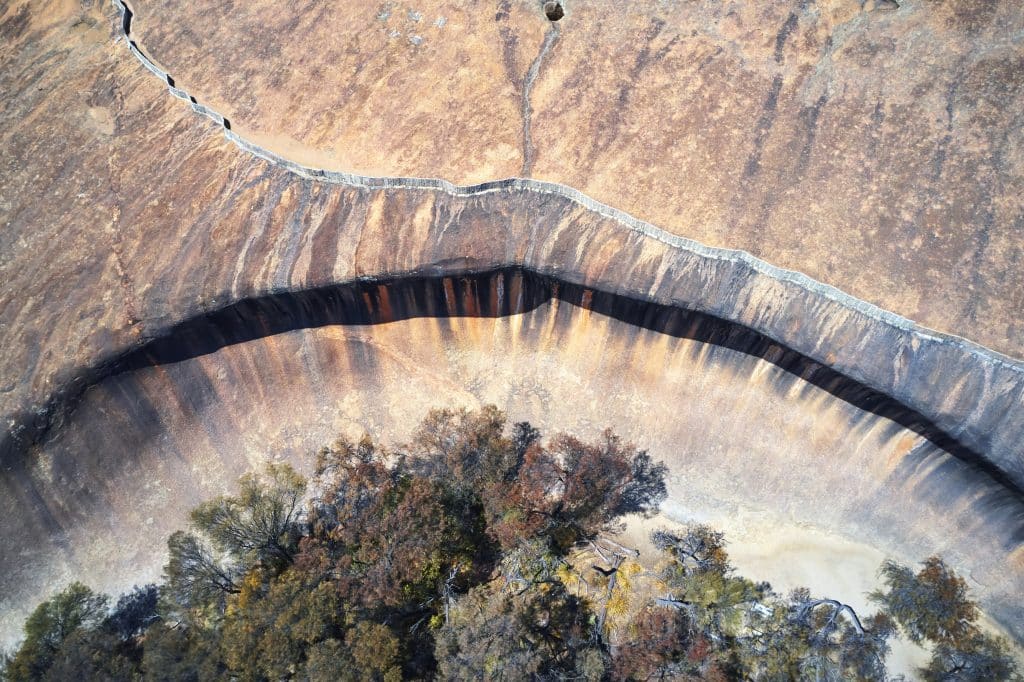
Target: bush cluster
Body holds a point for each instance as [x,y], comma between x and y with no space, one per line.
[478,551]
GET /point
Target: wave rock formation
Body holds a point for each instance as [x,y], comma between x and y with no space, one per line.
[178,301]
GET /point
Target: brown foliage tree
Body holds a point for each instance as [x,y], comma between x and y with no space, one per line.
[932,605]
[657,646]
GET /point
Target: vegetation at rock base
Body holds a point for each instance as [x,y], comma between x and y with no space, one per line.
[480,552]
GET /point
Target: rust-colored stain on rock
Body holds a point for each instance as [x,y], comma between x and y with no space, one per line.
[183,288]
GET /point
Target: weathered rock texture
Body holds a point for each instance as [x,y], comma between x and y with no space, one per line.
[128,218]
[743,436]
[878,151]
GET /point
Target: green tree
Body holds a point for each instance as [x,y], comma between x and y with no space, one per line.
[978,658]
[261,525]
[50,625]
[537,632]
[134,612]
[269,626]
[700,548]
[94,654]
[701,579]
[742,629]
[175,653]
[376,653]
[934,605]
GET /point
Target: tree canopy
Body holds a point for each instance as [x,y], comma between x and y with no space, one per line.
[480,551]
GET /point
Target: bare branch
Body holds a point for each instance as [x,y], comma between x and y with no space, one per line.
[838,607]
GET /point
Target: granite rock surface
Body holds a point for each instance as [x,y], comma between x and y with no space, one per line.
[879,152]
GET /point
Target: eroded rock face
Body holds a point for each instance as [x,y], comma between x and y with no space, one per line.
[273,231]
[125,214]
[744,437]
[878,151]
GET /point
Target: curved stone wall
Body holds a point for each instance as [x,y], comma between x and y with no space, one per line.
[251,276]
[511,291]
[877,151]
[984,412]
[750,429]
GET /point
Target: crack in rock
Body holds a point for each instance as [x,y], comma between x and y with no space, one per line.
[550,37]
